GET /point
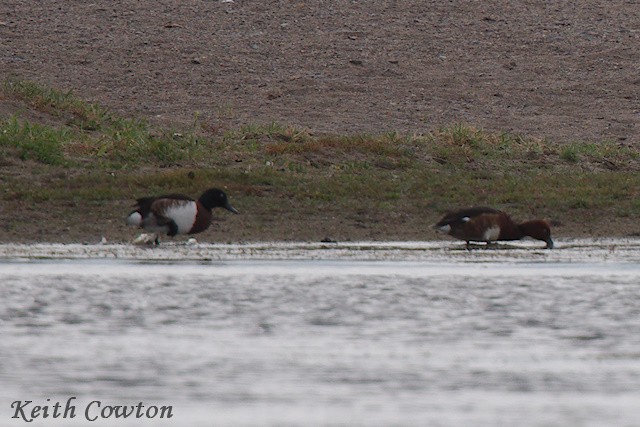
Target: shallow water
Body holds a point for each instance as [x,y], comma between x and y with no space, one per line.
[307,334]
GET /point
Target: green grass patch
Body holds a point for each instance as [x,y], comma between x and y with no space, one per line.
[272,167]
[59,103]
[34,141]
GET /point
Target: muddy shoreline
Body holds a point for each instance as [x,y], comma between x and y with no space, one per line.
[561,72]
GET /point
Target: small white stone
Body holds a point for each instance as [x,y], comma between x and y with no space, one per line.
[144,239]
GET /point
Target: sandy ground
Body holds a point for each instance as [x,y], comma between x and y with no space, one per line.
[561,70]
[564,71]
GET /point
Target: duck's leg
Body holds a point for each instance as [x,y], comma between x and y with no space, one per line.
[171,225]
[173,228]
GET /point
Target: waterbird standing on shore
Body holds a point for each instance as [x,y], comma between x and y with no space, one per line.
[178,214]
[482,224]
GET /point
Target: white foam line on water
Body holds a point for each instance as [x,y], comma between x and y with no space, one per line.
[566,251]
[313,268]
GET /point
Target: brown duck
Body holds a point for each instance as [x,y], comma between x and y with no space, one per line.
[482,224]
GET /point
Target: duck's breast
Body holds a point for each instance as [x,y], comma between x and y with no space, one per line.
[203,219]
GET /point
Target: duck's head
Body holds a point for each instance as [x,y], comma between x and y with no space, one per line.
[538,229]
[214,198]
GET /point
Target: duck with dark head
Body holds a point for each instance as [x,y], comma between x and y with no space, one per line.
[178,214]
[482,224]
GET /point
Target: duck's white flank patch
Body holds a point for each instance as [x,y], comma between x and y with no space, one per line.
[465,219]
[491,234]
[444,229]
[134,219]
[184,216]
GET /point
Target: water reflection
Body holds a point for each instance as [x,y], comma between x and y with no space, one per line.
[268,342]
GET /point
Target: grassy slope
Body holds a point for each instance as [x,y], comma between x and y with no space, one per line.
[69,171]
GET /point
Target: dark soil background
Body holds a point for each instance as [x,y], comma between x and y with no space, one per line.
[565,71]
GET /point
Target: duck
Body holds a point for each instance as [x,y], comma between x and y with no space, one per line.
[174,214]
[483,224]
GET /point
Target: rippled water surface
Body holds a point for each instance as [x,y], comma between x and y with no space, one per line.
[359,334]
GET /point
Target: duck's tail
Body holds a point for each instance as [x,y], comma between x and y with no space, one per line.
[135,219]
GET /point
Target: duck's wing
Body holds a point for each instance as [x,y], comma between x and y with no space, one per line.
[146,205]
[465,215]
[163,206]
[141,211]
[176,197]
[143,205]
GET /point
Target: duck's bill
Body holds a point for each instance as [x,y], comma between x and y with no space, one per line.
[231,208]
